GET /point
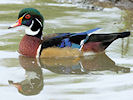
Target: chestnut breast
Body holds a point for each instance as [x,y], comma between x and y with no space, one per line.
[29,45]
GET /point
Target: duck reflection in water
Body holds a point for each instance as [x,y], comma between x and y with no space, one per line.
[83,65]
[33,82]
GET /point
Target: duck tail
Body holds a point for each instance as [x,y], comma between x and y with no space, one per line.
[99,42]
[123,34]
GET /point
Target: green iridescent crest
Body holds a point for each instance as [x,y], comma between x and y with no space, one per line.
[33,12]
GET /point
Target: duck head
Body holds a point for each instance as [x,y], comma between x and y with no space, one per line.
[32,19]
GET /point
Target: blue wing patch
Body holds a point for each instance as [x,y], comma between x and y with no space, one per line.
[75,45]
[65,43]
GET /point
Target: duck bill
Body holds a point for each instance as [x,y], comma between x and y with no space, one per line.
[17,85]
[18,23]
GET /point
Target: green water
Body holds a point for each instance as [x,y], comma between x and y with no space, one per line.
[106,76]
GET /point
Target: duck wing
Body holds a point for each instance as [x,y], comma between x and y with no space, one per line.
[62,40]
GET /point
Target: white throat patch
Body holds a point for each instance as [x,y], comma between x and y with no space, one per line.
[28,30]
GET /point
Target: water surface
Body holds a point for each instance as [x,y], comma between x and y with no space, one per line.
[106,76]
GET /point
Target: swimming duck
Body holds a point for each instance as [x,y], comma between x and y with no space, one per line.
[33,44]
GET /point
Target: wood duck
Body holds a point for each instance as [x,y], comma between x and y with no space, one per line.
[33,44]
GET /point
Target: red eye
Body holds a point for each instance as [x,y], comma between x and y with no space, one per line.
[28,16]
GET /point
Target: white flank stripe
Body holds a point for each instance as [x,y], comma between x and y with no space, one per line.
[82,42]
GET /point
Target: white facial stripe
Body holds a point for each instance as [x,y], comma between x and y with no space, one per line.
[39,22]
[28,30]
[24,14]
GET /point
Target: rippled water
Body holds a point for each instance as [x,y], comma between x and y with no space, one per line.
[105,76]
